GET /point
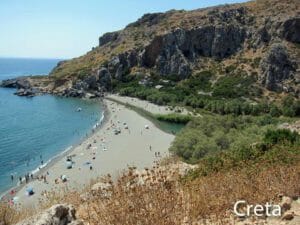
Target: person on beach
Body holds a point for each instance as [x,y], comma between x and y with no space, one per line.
[150,147]
[20,180]
[12,177]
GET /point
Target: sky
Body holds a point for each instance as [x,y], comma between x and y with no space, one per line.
[69,28]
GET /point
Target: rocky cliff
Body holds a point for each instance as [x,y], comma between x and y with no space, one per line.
[259,38]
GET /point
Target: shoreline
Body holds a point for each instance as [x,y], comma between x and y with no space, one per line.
[111,113]
[6,196]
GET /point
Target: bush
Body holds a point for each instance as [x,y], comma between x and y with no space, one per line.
[212,134]
[174,118]
[281,136]
[232,86]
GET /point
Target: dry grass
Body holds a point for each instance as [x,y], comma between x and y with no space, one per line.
[160,196]
[165,199]
[10,215]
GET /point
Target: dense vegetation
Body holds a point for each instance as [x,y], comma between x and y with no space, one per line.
[230,94]
[211,135]
[174,118]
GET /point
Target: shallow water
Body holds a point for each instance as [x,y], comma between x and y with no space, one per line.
[33,130]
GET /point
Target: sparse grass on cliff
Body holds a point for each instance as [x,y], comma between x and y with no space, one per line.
[165,199]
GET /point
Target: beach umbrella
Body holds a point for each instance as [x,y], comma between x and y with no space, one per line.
[146,126]
[69,165]
[29,191]
[64,178]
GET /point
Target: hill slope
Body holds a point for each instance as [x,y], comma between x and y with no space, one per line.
[248,50]
[256,39]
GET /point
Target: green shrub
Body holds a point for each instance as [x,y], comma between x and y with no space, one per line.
[281,136]
[174,118]
[213,134]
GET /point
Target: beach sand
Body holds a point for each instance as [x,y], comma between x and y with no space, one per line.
[112,153]
[148,106]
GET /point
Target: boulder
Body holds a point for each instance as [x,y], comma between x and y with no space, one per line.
[286,203]
[288,216]
[61,214]
[75,93]
[26,92]
[291,30]
[276,67]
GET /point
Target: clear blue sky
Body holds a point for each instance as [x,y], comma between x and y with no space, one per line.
[69,28]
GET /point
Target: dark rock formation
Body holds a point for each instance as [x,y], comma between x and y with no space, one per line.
[172,53]
[20,82]
[93,86]
[276,67]
[261,37]
[22,85]
[108,37]
[291,30]
[229,15]
[72,92]
[104,78]
[121,64]
[30,92]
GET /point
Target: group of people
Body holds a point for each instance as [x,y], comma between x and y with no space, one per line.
[28,177]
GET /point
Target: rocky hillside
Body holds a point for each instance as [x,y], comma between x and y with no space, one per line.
[258,39]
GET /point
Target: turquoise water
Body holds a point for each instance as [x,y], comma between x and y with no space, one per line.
[37,129]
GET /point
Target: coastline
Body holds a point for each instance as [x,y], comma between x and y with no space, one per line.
[110,113]
[39,170]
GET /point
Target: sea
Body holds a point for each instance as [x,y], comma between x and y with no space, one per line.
[33,131]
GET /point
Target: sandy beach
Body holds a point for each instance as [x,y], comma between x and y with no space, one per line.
[104,152]
[148,106]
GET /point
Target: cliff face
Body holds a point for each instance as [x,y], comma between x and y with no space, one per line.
[259,38]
